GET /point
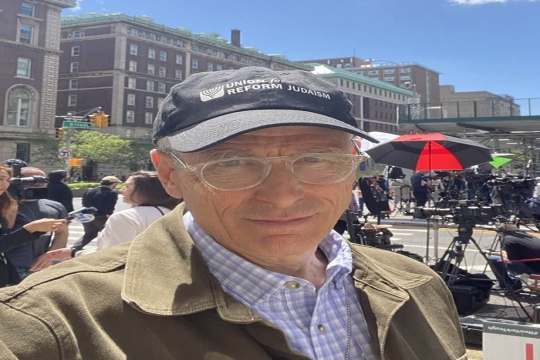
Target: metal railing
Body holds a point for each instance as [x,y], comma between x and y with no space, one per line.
[496,107]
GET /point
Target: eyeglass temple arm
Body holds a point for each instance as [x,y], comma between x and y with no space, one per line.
[359,152]
[173,155]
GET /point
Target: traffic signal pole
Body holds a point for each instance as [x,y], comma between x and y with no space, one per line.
[70,131]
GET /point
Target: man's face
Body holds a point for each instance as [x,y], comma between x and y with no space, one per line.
[281,216]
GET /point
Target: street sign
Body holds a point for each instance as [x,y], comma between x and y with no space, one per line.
[65,153]
[75,124]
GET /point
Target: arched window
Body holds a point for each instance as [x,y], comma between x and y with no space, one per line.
[20,106]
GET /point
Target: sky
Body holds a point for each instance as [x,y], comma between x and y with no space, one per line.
[490,45]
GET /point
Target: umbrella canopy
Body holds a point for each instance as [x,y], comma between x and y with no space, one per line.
[430,152]
[499,161]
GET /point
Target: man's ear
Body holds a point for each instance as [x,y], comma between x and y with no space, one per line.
[167,173]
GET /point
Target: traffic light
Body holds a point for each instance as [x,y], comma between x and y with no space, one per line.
[94,118]
[105,120]
[60,133]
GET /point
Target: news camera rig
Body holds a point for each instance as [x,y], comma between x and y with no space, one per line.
[25,188]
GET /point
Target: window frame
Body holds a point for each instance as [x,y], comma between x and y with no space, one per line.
[72,100]
[128,117]
[71,82]
[33,7]
[151,53]
[31,40]
[133,49]
[28,73]
[149,102]
[74,68]
[75,50]
[131,100]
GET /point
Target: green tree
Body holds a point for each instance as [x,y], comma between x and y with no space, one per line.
[98,147]
[140,157]
[44,149]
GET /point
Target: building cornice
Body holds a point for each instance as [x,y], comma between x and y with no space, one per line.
[30,47]
[61,3]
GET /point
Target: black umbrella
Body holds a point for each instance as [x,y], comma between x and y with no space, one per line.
[430,152]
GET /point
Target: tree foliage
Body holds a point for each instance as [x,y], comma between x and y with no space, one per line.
[99,147]
[140,157]
[44,149]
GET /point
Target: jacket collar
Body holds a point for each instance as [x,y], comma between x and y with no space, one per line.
[166,275]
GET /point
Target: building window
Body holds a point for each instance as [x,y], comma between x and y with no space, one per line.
[130,132]
[23,152]
[209,67]
[151,53]
[132,66]
[151,70]
[130,116]
[26,34]
[75,50]
[132,83]
[405,70]
[74,67]
[72,100]
[149,102]
[131,99]
[152,36]
[77,34]
[20,105]
[149,85]
[161,87]
[162,71]
[194,64]
[219,67]
[73,83]
[359,73]
[405,78]
[179,43]
[178,74]
[27,9]
[133,32]
[389,71]
[148,118]
[388,78]
[133,49]
[179,59]
[24,67]
[373,72]
[162,56]
[159,102]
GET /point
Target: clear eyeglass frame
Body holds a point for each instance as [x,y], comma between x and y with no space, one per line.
[198,169]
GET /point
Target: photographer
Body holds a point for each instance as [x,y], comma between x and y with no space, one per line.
[15,230]
[31,257]
[419,188]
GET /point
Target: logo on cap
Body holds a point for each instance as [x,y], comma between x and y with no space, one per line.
[213,93]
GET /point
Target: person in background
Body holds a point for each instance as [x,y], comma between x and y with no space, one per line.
[149,201]
[15,229]
[419,188]
[31,256]
[252,270]
[57,189]
[341,224]
[104,199]
[536,193]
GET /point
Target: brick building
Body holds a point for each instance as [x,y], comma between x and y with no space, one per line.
[29,54]
[411,76]
[127,65]
[375,102]
[463,104]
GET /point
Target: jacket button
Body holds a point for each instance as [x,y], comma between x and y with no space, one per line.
[322,329]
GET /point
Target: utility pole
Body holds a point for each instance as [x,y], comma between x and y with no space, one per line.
[70,118]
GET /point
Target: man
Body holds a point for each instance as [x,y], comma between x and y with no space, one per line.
[419,188]
[58,190]
[520,255]
[32,256]
[103,198]
[265,165]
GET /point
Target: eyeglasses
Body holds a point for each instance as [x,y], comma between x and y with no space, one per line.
[241,173]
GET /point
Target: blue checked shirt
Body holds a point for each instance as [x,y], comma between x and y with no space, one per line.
[314,322]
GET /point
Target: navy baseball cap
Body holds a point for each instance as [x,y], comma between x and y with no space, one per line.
[211,107]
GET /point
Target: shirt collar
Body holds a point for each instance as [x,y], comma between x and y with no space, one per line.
[251,283]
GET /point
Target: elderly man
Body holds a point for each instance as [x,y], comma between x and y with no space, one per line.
[265,164]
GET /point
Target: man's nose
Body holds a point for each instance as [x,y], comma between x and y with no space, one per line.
[281,188]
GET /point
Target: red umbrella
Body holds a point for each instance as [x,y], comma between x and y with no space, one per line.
[430,152]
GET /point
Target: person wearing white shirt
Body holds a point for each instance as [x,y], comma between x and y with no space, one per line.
[150,201]
[536,193]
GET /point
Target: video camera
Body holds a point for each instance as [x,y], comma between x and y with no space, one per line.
[23,188]
[463,212]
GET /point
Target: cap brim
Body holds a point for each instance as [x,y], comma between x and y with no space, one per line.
[222,128]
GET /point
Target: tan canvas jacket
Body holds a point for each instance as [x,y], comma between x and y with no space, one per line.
[155,299]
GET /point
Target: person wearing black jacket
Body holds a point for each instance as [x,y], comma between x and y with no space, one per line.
[15,229]
[57,189]
[103,198]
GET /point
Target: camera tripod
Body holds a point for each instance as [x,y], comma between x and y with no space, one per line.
[448,265]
